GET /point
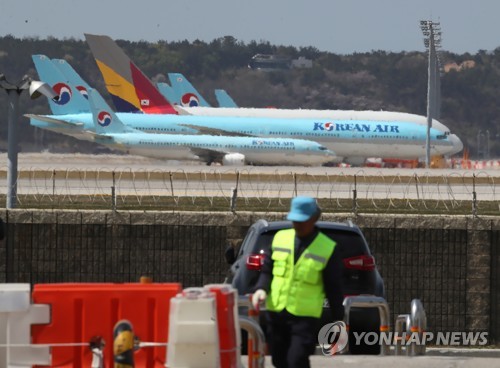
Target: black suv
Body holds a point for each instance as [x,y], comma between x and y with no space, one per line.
[360,275]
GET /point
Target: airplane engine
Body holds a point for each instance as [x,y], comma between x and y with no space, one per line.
[233,159]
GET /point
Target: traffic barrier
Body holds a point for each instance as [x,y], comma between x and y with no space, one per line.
[193,338]
[418,325]
[82,313]
[226,299]
[370,301]
[17,315]
[401,330]
[256,339]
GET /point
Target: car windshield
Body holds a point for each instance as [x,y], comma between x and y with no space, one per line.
[349,241]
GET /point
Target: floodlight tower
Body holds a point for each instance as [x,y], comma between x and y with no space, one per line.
[432,42]
[36,89]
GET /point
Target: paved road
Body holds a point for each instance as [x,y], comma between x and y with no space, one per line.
[442,358]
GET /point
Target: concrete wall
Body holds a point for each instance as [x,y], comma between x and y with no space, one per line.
[450,263]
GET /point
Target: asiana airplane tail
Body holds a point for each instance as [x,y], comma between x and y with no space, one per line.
[130,89]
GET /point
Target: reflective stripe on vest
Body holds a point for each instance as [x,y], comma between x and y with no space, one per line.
[298,287]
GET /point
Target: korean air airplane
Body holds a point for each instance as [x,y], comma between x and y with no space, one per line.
[110,131]
[186,94]
[352,144]
[224,99]
[116,66]
[351,139]
[182,92]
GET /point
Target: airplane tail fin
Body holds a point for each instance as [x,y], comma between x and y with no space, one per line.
[72,77]
[105,120]
[186,94]
[70,101]
[224,99]
[130,89]
[169,93]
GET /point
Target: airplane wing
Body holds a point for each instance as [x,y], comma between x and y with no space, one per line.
[48,119]
[216,131]
[98,135]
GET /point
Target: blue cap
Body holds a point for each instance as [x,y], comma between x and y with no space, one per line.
[302,209]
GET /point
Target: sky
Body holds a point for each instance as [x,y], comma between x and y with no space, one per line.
[338,26]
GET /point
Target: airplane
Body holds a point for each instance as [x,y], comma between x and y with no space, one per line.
[71,75]
[114,65]
[224,99]
[351,138]
[69,99]
[111,132]
[355,144]
[355,135]
[187,95]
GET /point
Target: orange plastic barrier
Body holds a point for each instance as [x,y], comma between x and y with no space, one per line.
[225,297]
[80,312]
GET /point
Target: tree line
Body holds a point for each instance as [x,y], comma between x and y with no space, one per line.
[376,80]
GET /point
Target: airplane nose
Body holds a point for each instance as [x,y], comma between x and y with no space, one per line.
[457,144]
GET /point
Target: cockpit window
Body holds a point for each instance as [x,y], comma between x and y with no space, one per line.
[322,148]
[441,136]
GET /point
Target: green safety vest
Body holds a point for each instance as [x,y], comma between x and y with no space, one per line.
[298,287]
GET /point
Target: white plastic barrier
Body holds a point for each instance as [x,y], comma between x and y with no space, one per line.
[193,339]
[17,314]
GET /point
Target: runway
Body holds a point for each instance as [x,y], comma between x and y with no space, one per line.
[74,161]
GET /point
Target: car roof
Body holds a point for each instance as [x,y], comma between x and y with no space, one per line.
[264,225]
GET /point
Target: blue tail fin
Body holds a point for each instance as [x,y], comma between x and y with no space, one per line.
[168,92]
[224,99]
[72,76]
[105,120]
[70,100]
[187,95]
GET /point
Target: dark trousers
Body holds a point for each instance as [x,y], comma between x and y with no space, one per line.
[291,339]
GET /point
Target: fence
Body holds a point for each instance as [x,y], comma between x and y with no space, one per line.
[355,191]
[450,263]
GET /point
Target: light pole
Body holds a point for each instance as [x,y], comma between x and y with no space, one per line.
[432,41]
[36,89]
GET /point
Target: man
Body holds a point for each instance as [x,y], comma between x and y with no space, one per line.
[300,269]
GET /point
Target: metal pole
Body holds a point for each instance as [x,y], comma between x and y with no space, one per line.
[12,147]
[430,95]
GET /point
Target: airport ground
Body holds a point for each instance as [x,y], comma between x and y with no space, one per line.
[435,357]
[428,361]
[51,161]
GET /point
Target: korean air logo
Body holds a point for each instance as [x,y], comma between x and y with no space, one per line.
[190,100]
[64,93]
[104,118]
[83,91]
[329,126]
